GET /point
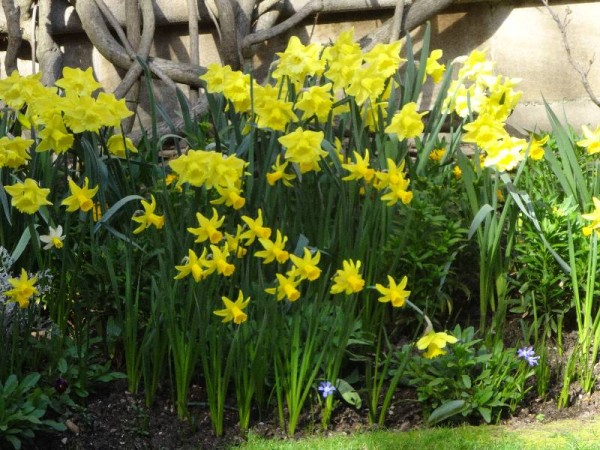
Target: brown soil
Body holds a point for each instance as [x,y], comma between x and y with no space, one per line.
[115,419]
[119,420]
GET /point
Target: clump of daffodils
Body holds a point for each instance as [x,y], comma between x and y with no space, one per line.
[491,99]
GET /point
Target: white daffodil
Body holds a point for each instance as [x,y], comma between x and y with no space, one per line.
[54,238]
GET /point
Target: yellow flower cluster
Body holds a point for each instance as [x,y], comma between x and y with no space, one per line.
[54,115]
[477,91]
[307,81]
[213,171]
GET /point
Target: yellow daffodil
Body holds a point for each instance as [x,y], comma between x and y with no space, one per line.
[77,81]
[433,68]
[434,343]
[316,101]
[217,261]
[385,58]
[298,61]
[83,114]
[348,279]
[306,267]
[255,229]
[406,123]
[457,172]
[236,89]
[229,195]
[234,310]
[273,250]
[536,147]
[27,196]
[278,173]
[437,154]
[148,217]
[114,110]
[118,145]
[366,84]
[81,197]
[304,147]
[591,141]
[395,293]
[594,217]
[192,264]
[208,229]
[287,287]
[14,151]
[272,111]
[505,154]
[23,289]
[55,136]
[234,243]
[343,59]
[485,131]
[359,169]
[215,77]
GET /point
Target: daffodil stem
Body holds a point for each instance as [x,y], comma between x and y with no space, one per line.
[429,326]
[35,242]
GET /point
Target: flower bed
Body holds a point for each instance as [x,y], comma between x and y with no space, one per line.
[295,252]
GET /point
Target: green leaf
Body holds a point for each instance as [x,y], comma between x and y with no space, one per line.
[15,441]
[112,376]
[55,425]
[348,393]
[114,209]
[466,381]
[479,217]
[10,385]
[22,244]
[29,381]
[62,366]
[486,413]
[447,410]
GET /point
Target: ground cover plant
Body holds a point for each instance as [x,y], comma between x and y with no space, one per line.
[309,242]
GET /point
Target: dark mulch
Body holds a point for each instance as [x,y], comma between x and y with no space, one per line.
[116,419]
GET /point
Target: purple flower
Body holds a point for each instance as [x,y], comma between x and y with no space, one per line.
[326,388]
[528,354]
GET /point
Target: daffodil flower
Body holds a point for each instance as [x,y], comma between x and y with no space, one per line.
[348,279]
[395,293]
[81,197]
[54,238]
[435,343]
[234,310]
[23,289]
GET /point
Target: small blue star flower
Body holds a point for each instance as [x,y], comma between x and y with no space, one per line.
[528,354]
[326,388]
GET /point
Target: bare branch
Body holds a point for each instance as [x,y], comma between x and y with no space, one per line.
[13,23]
[419,12]
[309,9]
[583,72]
[194,41]
[266,5]
[133,24]
[48,52]
[397,21]
[101,38]
[229,39]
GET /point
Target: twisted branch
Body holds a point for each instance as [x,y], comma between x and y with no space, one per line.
[582,71]
[13,24]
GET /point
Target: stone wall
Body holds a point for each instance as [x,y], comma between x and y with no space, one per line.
[520,37]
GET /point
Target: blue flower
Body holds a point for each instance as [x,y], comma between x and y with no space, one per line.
[326,388]
[528,354]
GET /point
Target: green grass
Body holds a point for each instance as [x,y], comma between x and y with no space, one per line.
[563,435]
